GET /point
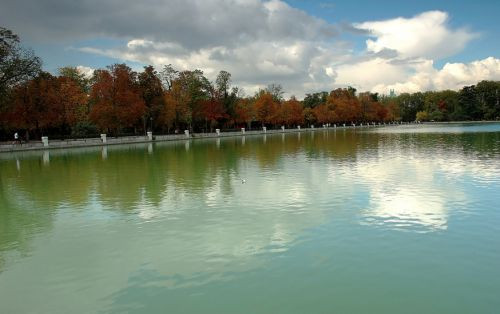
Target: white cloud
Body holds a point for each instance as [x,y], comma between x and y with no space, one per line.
[424,76]
[262,42]
[87,71]
[426,35]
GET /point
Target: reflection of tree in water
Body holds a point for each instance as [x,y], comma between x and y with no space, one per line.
[130,176]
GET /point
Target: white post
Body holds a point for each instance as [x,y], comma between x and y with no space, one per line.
[298,127]
[312,126]
[45,141]
[344,125]
[150,136]
[282,128]
[243,130]
[186,132]
[103,138]
[217,131]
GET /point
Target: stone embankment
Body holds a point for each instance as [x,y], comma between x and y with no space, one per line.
[104,140]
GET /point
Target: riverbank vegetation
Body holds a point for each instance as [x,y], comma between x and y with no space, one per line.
[118,100]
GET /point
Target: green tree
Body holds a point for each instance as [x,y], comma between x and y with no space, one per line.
[78,77]
[17,64]
[151,89]
[488,93]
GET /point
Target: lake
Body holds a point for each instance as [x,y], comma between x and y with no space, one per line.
[399,219]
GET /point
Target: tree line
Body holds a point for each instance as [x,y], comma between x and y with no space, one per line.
[118,100]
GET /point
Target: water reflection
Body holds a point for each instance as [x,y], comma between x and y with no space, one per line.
[182,213]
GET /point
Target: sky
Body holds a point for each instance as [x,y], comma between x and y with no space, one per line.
[306,46]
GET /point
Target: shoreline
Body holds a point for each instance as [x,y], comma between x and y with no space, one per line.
[95,142]
[460,122]
[111,141]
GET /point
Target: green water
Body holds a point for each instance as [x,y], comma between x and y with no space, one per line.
[391,220]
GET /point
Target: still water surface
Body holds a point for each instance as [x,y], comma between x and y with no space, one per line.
[391,220]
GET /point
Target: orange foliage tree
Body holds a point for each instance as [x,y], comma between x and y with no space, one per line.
[291,112]
[47,102]
[212,110]
[117,101]
[345,104]
[244,112]
[266,108]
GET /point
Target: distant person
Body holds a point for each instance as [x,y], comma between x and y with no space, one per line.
[16,138]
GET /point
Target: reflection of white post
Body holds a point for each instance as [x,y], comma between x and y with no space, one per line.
[18,165]
[282,128]
[46,157]
[282,137]
[150,148]
[104,153]
[217,143]
[150,136]
[103,138]
[186,146]
[45,141]
[242,130]
[265,139]
[242,141]
[264,129]
[217,131]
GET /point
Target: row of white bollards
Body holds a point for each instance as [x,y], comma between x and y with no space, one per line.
[45,139]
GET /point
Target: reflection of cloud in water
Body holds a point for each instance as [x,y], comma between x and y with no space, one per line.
[407,194]
[403,208]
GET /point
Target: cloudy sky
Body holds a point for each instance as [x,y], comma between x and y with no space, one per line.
[305,46]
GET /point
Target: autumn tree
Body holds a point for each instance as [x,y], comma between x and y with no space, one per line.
[47,102]
[71,103]
[291,112]
[266,108]
[323,114]
[175,110]
[116,97]
[245,112]
[345,104]
[212,110]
